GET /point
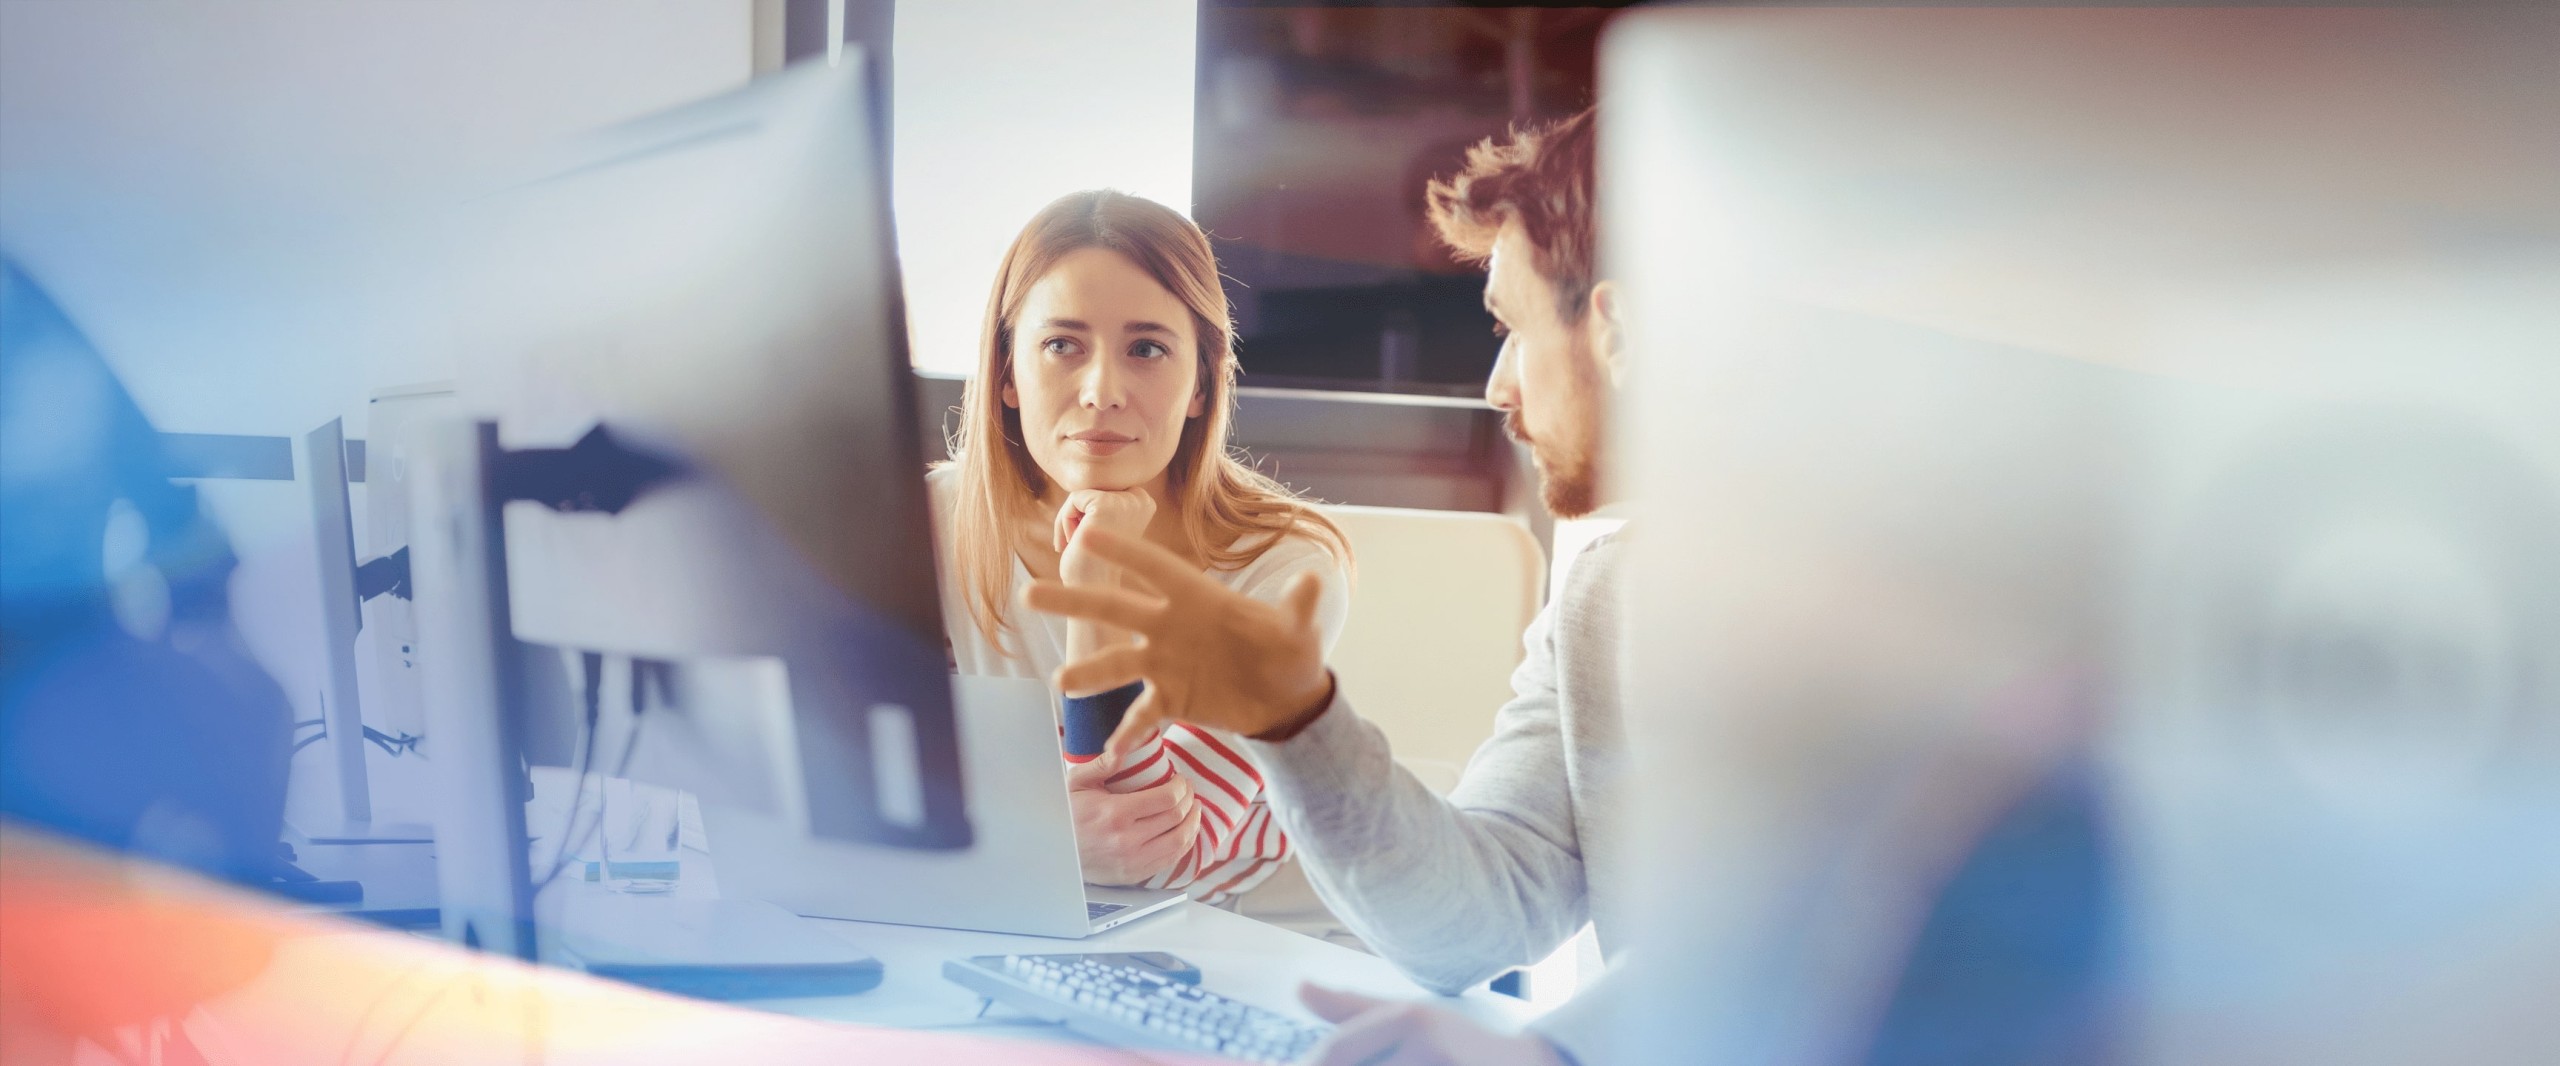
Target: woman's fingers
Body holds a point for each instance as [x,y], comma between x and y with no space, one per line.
[1137,828]
[1089,775]
[1138,846]
[1168,849]
[1164,799]
[1062,527]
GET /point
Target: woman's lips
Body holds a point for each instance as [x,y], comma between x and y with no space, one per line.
[1099,444]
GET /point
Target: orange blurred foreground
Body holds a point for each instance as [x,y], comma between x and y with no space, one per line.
[104,958]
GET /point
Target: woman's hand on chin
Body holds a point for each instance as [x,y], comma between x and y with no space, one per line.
[1123,511]
[1124,838]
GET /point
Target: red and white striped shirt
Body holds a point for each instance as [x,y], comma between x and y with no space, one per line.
[1239,843]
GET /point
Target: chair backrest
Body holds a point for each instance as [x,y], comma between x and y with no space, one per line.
[1437,609]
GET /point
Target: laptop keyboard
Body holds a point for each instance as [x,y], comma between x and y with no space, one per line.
[1097,911]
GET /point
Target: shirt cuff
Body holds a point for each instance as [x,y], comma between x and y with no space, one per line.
[1324,751]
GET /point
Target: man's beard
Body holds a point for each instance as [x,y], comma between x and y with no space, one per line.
[1568,480]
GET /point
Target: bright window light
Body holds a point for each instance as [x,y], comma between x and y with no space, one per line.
[1003,106]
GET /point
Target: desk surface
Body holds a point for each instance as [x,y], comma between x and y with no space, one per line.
[1238,956]
[1250,960]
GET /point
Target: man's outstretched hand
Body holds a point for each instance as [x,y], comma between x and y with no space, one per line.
[1384,1032]
[1210,655]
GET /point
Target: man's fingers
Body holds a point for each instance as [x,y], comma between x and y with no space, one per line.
[1333,1004]
[1374,1037]
[1163,570]
[1107,606]
[1136,724]
[1304,590]
[1102,671]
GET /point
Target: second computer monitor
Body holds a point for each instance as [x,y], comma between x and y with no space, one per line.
[717,285]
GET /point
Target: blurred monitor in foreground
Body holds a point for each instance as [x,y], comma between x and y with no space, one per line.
[2166,393]
[713,285]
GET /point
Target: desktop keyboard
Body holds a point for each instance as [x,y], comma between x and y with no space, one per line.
[1129,1006]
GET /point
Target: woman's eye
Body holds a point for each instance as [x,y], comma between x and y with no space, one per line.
[1150,350]
[1060,346]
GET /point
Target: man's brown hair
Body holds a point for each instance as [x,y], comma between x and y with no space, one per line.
[1541,175]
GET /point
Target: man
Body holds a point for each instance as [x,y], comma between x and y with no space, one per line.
[1452,890]
[2008,963]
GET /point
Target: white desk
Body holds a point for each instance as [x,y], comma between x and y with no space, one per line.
[1238,956]
[1249,960]
[396,877]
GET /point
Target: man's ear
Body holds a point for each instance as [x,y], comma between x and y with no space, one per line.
[1606,324]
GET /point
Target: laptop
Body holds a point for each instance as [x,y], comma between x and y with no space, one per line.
[1020,875]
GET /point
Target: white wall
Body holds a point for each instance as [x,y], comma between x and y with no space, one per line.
[1003,106]
[235,200]
[231,200]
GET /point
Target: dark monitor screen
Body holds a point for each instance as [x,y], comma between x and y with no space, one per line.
[717,284]
[1315,131]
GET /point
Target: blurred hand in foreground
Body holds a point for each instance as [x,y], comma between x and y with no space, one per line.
[1385,1032]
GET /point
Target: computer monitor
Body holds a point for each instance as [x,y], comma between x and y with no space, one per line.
[393,417]
[2161,390]
[715,286]
[342,597]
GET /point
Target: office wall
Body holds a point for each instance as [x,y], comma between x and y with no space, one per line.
[1002,106]
[230,199]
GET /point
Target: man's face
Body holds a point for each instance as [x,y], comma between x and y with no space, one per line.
[1549,382]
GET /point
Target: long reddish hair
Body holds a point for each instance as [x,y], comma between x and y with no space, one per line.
[1223,503]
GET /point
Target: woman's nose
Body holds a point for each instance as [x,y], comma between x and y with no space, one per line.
[1102,385]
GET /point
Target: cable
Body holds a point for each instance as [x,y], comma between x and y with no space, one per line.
[640,668]
[591,666]
[391,745]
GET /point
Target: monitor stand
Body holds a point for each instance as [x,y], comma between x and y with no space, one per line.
[364,831]
[722,949]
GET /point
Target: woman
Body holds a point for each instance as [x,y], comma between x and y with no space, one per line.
[1105,379]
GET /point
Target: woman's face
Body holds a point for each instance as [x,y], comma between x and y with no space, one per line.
[1106,369]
